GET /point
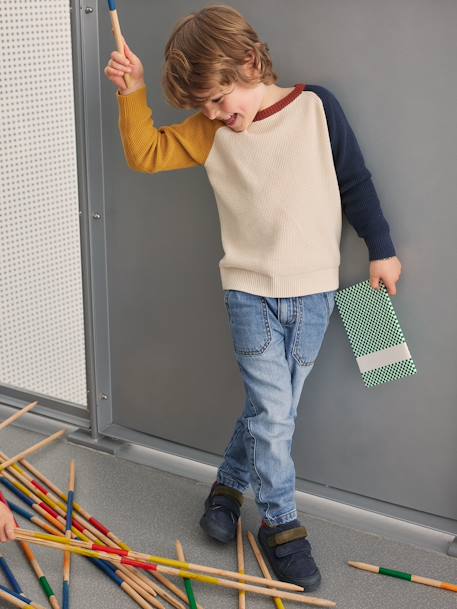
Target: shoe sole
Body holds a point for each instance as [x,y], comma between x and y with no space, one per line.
[309,584]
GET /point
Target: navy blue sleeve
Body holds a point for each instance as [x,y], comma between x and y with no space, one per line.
[359,199]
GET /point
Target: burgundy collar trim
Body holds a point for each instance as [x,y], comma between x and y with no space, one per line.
[279,105]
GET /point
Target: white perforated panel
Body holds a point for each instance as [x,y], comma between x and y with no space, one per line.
[41,326]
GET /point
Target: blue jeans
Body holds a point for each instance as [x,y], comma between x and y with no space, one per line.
[276,341]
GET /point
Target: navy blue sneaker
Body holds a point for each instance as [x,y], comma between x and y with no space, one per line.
[289,554]
[222,510]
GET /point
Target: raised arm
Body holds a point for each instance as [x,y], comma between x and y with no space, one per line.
[147,148]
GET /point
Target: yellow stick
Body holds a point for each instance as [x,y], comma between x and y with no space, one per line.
[240,558]
[263,566]
[17,415]
[32,449]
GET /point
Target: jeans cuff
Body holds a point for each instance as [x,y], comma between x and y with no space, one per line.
[227,481]
[282,519]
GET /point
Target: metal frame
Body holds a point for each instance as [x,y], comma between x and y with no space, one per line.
[86,68]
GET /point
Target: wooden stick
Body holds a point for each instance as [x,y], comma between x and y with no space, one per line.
[29,554]
[103,555]
[17,415]
[67,555]
[116,28]
[32,449]
[240,558]
[416,579]
[263,566]
[187,582]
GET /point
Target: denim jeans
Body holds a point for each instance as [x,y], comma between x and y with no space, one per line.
[276,341]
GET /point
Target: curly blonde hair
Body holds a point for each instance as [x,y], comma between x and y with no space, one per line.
[208,49]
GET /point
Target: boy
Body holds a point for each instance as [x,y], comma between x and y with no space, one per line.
[282,163]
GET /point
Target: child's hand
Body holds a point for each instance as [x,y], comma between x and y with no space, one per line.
[7,525]
[388,270]
[119,65]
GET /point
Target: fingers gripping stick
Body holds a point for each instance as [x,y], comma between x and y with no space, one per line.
[118,35]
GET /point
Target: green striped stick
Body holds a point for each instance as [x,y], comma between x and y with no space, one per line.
[187,582]
[416,579]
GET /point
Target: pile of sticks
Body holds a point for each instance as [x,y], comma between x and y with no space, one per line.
[68,527]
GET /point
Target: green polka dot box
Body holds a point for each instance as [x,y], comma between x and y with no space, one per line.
[374,333]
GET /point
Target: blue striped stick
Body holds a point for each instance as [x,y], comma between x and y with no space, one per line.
[66,556]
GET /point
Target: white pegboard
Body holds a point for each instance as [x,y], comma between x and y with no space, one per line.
[41,306]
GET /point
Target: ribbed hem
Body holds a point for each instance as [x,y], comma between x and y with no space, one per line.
[279,287]
[130,104]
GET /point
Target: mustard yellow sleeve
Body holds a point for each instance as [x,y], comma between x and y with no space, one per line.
[150,149]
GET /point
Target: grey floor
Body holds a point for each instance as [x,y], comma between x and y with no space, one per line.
[149,509]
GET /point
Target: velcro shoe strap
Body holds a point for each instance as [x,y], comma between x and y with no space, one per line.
[228,492]
[286,536]
[297,546]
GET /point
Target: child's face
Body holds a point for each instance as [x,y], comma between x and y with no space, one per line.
[235,105]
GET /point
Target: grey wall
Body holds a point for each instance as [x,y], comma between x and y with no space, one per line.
[392,67]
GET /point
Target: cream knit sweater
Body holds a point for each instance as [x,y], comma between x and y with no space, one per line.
[276,187]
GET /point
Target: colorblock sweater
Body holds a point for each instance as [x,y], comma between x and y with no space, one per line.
[280,187]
